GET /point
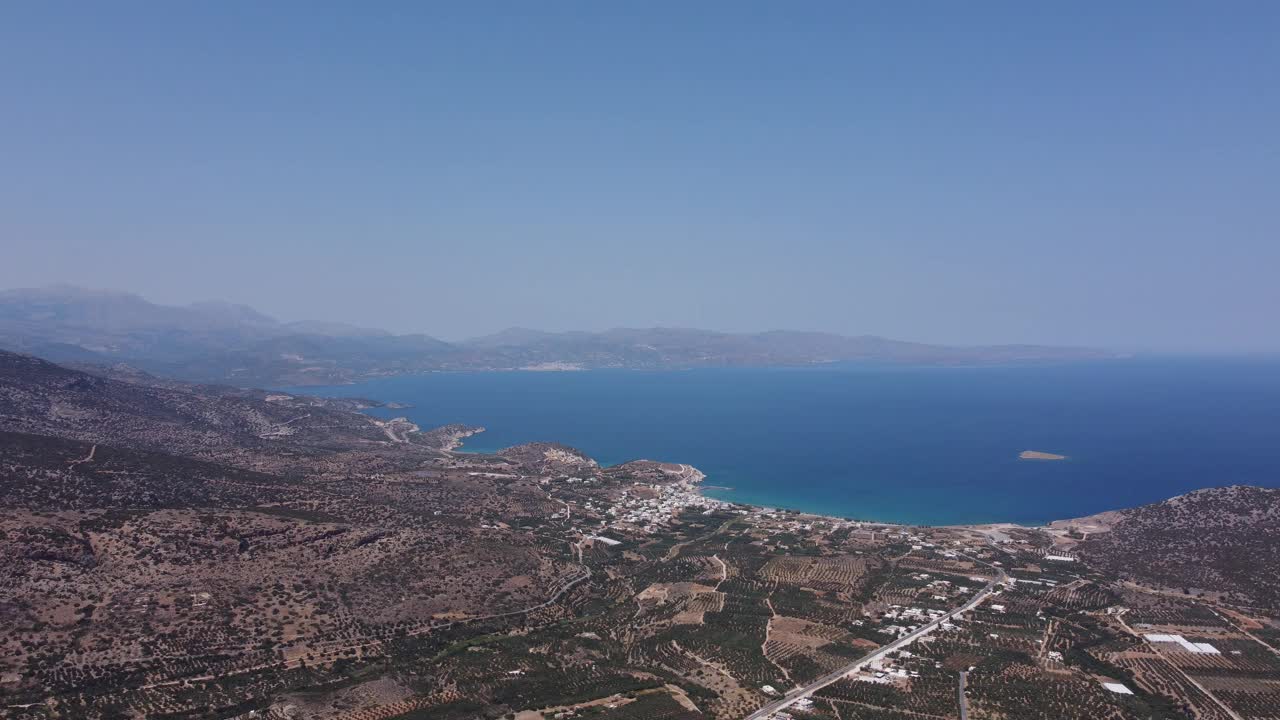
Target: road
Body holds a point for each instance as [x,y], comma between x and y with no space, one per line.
[565,586]
[85,459]
[790,698]
[964,701]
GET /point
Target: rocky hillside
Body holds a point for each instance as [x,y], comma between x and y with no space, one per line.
[243,427]
[1223,540]
[155,533]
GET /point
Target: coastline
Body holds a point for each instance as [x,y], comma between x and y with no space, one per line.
[454,439]
[774,508]
[451,439]
[783,506]
[458,447]
[819,450]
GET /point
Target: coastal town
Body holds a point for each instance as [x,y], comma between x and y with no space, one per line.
[368,570]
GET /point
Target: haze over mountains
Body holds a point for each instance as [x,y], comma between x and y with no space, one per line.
[224,342]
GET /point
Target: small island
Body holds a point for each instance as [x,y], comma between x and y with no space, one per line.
[1037,455]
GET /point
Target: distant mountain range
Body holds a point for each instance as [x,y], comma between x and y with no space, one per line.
[223,342]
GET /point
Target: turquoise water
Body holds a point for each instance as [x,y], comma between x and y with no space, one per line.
[918,445]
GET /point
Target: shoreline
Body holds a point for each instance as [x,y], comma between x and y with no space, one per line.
[700,488]
[455,443]
[971,476]
[459,448]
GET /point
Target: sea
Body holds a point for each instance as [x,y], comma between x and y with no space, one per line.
[918,445]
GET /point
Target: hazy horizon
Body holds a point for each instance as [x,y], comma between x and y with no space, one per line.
[990,173]
[604,328]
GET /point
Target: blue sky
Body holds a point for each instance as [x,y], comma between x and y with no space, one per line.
[1084,173]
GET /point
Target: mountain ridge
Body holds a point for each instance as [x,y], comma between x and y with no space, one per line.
[234,343]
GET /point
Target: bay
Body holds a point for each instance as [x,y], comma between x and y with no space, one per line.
[898,444]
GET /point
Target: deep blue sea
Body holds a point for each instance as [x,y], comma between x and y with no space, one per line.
[914,445]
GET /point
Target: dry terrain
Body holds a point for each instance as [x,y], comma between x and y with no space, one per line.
[186,551]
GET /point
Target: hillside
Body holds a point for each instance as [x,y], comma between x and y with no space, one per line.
[1221,540]
[247,428]
[155,533]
